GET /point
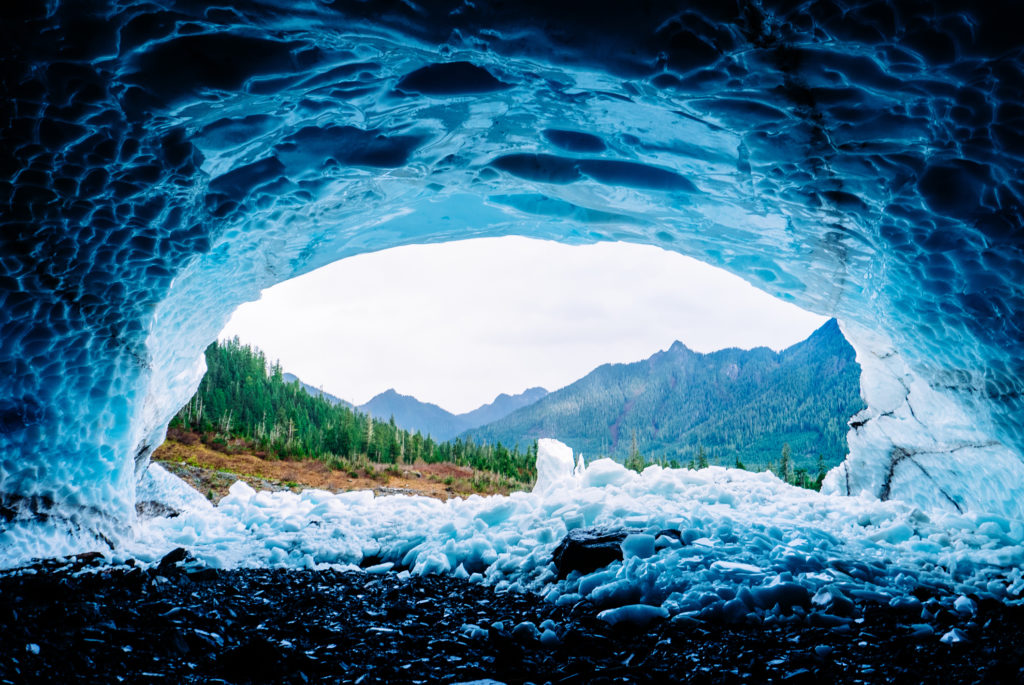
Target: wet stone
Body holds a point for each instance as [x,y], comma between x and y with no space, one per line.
[243,626]
[588,549]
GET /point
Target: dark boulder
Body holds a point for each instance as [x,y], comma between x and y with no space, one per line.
[588,549]
[172,560]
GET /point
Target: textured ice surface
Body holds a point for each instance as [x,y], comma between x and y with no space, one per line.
[164,162]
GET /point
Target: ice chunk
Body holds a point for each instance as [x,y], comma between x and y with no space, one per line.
[953,636]
[622,591]
[380,568]
[159,487]
[964,605]
[638,545]
[554,464]
[635,614]
[604,472]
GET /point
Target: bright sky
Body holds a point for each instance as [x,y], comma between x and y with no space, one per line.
[457,323]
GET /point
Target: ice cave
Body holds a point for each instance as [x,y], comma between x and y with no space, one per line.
[164,162]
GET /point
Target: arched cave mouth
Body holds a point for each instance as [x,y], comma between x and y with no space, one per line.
[500,342]
[178,161]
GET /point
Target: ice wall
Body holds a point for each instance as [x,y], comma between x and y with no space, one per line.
[164,162]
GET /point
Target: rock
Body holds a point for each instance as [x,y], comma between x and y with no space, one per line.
[150,509]
[202,574]
[953,637]
[549,638]
[588,549]
[258,625]
[526,631]
[256,659]
[171,559]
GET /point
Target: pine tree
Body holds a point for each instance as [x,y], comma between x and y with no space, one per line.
[635,461]
[786,465]
[822,471]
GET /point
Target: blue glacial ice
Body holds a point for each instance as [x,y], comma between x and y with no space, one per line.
[164,163]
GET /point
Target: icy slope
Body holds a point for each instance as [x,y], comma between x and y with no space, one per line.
[163,163]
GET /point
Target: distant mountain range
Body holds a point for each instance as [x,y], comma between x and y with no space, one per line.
[413,415]
[733,403]
[429,419]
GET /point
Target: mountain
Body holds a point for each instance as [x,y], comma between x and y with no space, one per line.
[502,406]
[315,392]
[734,403]
[413,415]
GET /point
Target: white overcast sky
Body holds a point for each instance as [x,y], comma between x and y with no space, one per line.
[457,323]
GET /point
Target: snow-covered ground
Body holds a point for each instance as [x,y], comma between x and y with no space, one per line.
[748,545]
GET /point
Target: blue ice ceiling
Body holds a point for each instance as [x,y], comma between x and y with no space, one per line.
[166,161]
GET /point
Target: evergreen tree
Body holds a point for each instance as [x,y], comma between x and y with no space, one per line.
[702,457]
[822,471]
[635,461]
[786,465]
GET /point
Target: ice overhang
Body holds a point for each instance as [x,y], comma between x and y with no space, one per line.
[165,164]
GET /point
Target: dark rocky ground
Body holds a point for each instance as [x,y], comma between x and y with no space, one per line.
[108,625]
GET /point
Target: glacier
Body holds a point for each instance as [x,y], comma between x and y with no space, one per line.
[165,162]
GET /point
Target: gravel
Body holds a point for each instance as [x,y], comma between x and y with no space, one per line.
[85,621]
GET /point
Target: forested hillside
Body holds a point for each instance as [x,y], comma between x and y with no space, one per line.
[243,397]
[730,405]
[315,392]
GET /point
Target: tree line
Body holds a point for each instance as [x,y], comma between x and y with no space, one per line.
[784,468]
[245,397]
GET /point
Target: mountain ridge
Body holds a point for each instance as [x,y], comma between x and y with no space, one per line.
[413,414]
[734,403]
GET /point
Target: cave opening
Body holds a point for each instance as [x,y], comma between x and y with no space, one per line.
[164,163]
[168,163]
[453,328]
[179,163]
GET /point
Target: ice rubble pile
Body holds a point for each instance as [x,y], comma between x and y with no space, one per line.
[164,162]
[748,545]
